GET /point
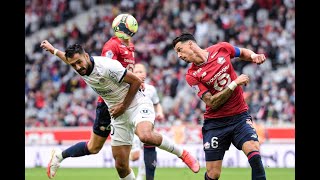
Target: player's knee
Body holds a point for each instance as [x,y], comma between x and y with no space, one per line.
[251,146]
[146,137]
[122,167]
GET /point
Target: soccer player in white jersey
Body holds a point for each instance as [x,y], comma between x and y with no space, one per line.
[146,154]
[131,111]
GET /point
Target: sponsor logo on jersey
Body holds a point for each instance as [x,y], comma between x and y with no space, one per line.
[129,61]
[224,69]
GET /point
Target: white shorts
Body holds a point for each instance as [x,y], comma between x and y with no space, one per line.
[123,127]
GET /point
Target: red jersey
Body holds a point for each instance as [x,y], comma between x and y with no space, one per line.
[215,75]
[116,50]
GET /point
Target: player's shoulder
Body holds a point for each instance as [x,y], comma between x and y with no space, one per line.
[149,86]
[104,61]
[218,45]
[113,41]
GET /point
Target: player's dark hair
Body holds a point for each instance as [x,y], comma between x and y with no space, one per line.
[73,49]
[183,38]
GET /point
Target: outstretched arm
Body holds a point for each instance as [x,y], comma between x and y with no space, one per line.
[249,55]
[48,47]
[218,99]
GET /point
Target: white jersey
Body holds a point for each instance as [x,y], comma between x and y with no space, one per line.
[151,92]
[106,79]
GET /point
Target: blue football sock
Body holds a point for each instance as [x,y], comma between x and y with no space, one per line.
[257,169]
[77,150]
[150,161]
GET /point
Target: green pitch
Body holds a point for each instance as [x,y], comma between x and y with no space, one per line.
[161,174]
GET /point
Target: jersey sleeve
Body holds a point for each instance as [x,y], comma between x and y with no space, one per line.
[115,71]
[155,98]
[110,50]
[234,50]
[197,86]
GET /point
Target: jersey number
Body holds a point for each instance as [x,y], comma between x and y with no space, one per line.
[222,81]
[214,142]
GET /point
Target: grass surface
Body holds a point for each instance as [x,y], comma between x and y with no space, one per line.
[161,174]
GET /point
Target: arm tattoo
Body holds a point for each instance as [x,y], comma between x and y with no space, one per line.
[218,99]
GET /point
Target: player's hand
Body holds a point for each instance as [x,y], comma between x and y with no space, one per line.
[258,58]
[242,80]
[159,116]
[117,110]
[47,46]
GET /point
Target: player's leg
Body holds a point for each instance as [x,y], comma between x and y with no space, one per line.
[121,157]
[122,135]
[136,154]
[93,146]
[246,139]
[216,140]
[141,175]
[213,170]
[150,161]
[101,131]
[144,118]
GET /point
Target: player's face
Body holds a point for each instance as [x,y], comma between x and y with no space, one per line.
[184,51]
[140,71]
[80,63]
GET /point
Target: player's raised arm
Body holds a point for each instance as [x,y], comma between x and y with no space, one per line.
[218,99]
[249,55]
[48,47]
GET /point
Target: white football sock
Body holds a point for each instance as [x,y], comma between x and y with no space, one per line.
[170,146]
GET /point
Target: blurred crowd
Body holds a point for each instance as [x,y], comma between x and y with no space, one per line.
[56,96]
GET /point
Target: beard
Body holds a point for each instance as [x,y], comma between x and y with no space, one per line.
[82,71]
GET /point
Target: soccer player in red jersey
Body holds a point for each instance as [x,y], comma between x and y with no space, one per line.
[227,120]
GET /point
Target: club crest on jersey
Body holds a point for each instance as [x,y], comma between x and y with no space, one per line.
[221,60]
[109,54]
[206,145]
[113,75]
[102,80]
[125,52]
